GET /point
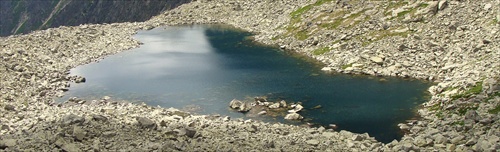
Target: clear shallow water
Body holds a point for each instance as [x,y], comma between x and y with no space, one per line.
[202,68]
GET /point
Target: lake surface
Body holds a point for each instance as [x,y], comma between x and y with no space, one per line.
[202,68]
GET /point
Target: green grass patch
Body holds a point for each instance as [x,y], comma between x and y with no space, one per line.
[423,5]
[298,13]
[462,110]
[495,110]
[302,35]
[473,91]
[346,66]
[392,5]
[295,17]
[321,51]
[461,123]
[333,25]
[491,96]
[381,34]
[435,107]
[403,13]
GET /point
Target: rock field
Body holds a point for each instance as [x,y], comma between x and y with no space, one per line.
[455,44]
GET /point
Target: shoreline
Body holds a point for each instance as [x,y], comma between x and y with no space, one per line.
[36,68]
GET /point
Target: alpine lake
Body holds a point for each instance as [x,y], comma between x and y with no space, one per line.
[201,68]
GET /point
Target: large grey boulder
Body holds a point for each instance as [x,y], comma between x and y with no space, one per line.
[472,115]
[146,123]
[72,119]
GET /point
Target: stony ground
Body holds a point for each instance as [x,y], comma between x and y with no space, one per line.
[453,43]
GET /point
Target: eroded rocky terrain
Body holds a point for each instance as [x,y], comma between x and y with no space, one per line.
[453,43]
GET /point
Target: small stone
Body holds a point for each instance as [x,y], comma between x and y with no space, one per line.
[108,134]
[317,107]
[377,60]
[328,134]
[245,107]
[72,119]
[274,106]
[10,108]
[146,123]
[293,116]
[5,127]
[163,123]
[440,139]
[357,137]
[457,140]
[442,4]
[78,133]
[80,79]
[312,142]
[262,113]
[472,115]
[487,6]
[99,118]
[8,143]
[105,98]
[283,103]
[451,147]
[71,148]
[190,132]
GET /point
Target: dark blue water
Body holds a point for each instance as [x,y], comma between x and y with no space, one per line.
[202,68]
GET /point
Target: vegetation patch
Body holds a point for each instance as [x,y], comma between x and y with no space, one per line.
[411,11]
[495,110]
[320,51]
[473,91]
[381,34]
[462,110]
[298,13]
[461,123]
[346,66]
[296,17]
[392,5]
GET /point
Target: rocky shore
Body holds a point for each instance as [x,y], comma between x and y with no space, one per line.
[453,43]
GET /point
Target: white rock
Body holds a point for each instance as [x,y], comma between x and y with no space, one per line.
[293,116]
[377,59]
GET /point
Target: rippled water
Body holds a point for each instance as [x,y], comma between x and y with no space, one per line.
[202,68]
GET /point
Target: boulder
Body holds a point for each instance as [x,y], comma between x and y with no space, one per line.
[274,106]
[146,123]
[189,132]
[293,116]
[472,115]
[296,108]
[283,103]
[10,108]
[78,133]
[377,60]
[80,79]
[245,107]
[235,104]
[72,119]
[312,142]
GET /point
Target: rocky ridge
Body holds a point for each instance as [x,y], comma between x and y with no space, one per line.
[453,43]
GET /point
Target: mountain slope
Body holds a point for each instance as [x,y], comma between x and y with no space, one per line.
[23,16]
